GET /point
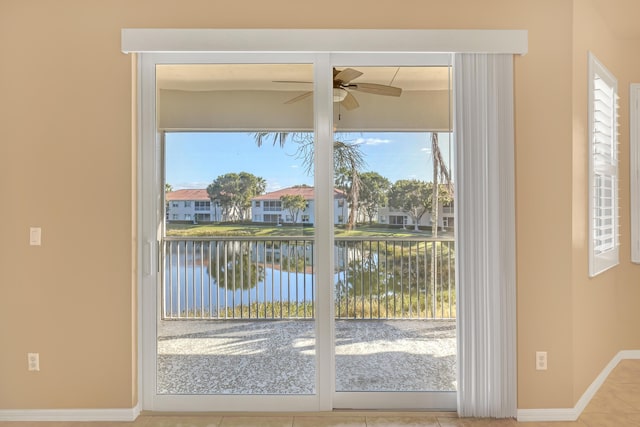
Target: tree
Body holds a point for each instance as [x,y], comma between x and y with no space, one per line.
[232,267]
[348,161]
[234,191]
[412,197]
[168,188]
[373,193]
[440,171]
[294,204]
[445,192]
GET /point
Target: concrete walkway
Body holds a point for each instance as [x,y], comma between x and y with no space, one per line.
[277,357]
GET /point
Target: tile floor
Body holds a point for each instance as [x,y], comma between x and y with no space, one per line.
[617,403]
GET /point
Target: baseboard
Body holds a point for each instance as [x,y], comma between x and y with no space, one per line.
[630,354]
[541,415]
[572,414]
[129,414]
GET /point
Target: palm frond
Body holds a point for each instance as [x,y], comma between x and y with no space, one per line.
[276,137]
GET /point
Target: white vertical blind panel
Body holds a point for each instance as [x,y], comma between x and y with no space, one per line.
[483,88]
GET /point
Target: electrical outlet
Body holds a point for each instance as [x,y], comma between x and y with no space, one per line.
[33,360]
[541,360]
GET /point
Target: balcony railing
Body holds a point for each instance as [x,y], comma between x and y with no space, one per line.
[273,278]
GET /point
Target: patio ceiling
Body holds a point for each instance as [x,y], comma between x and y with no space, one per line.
[219,77]
[253,97]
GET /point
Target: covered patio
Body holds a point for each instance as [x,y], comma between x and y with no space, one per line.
[277,356]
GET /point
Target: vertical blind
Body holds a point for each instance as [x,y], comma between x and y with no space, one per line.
[484,132]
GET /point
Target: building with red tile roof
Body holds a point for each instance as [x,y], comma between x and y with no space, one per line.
[268,207]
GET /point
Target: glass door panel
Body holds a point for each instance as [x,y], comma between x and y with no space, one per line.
[240,311]
[237,298]
[394,290]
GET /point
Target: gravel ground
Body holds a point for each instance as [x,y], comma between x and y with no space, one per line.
[277,357]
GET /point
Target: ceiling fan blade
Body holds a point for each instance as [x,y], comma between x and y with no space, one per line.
[350,102]
[376,89]
[299,97]
[346,75]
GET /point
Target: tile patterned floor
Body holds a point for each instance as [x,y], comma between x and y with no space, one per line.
[617,404]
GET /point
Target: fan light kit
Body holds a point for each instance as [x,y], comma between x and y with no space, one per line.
[339,94]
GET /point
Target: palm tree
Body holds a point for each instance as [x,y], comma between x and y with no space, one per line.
[348,157]
[440,170]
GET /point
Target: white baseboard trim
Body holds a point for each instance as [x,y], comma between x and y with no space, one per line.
[129,414]
[572,414]
[541,415]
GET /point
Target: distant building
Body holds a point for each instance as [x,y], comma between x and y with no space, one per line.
[194,205]
[268,207]
[387,215]
[191,205]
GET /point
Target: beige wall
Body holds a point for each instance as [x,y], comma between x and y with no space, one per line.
[595,331]
[66,165]
[604,312]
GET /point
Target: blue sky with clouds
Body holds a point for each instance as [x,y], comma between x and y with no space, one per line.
[194,160]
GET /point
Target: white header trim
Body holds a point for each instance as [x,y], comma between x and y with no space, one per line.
[283,40]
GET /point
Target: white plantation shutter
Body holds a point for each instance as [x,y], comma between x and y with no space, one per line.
[603,170]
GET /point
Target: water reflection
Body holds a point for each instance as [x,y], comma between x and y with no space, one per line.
[275,279]
[237,279]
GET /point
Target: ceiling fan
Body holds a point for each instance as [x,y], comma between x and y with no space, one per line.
[342,88]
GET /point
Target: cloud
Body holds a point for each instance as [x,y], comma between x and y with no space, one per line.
[190,185]
[371,141]
[273,186]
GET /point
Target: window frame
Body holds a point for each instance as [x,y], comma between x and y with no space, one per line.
[634,168]
[602,166]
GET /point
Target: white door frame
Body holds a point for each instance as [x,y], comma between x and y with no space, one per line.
[324,48]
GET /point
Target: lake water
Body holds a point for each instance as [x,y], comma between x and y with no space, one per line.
[249,272]
[190,286]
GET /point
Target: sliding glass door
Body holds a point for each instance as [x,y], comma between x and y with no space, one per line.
[237,292]
[304,261]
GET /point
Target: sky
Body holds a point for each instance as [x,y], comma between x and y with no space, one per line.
[194,160]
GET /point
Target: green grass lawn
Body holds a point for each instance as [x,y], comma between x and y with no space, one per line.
[205,230]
